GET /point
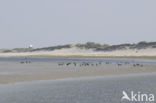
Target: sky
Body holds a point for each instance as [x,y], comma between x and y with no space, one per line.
[45,23]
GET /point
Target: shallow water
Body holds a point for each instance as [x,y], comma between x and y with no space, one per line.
[17,59]
[107,89]
[104,89]
[12,70]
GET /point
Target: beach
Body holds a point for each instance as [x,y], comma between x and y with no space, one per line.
[79,52]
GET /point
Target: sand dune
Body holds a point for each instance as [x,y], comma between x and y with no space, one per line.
[85,52]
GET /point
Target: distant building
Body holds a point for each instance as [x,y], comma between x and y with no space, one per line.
[30,47]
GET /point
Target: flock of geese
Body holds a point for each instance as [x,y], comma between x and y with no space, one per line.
[25,61]
[80,64]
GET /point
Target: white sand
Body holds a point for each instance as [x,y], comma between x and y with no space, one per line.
[86,52]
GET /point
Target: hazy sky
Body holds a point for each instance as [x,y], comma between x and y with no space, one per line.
[53,22]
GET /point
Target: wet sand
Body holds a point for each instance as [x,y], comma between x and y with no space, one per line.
[11,72]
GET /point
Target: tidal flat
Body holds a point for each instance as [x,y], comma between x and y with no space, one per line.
[22,69]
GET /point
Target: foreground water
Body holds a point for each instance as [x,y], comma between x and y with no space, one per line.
[107,89]
[48,83]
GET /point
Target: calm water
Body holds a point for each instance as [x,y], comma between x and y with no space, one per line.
[14,59]
[107,89]
[83,90]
